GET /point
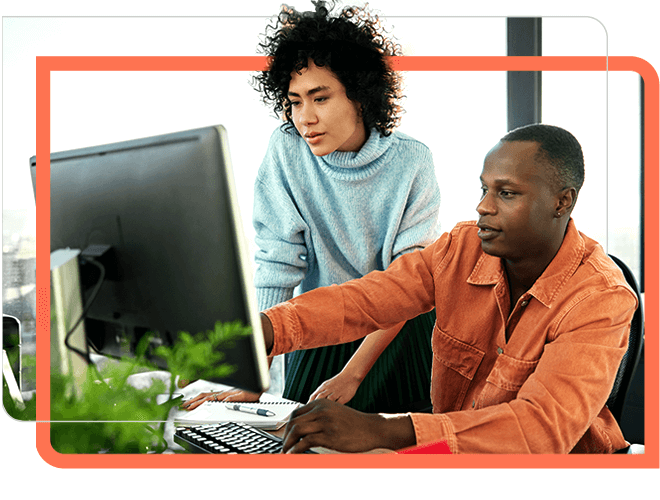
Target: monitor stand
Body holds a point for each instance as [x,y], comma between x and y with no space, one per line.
[66,309]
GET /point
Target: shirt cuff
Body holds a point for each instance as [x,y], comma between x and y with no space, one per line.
[286,336]
[433,428]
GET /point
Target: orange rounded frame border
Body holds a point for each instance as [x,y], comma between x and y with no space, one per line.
[44,67]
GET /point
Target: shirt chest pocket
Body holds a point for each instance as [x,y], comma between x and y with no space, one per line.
[454,366]
[505,380]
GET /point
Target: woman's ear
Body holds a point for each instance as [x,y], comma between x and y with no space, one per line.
[358,109]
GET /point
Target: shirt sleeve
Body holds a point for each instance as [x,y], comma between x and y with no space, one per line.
[561,399]
[419,222]
[282,257]
[338,314]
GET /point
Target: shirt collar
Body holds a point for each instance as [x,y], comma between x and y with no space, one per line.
[489,270]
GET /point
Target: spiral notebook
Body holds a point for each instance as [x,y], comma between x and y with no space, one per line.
[213,412]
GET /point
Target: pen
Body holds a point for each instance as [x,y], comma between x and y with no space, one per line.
[249,409]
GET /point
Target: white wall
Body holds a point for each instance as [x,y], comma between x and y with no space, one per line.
[459,115]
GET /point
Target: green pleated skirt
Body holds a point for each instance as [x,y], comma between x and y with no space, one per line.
[399,380]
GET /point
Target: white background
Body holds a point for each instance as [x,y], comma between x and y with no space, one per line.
[630,32]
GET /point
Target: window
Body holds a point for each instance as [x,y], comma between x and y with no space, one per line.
[603,110]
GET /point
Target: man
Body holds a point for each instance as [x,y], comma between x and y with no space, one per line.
[532,320]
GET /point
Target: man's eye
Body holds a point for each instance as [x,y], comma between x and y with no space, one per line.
[507,194]
[321,99]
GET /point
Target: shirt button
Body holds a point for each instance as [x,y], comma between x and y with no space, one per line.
[524,303]
[500,350]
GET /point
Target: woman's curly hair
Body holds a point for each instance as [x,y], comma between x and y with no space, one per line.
[352,45]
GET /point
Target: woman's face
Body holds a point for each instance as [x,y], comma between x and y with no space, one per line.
[322,113]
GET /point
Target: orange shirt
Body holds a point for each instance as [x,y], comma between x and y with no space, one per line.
[529,379]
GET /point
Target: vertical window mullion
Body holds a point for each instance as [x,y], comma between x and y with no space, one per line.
[523,87]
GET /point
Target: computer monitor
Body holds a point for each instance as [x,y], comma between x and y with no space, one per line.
[168,208]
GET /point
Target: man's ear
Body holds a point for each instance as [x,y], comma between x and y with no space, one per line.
[566,200]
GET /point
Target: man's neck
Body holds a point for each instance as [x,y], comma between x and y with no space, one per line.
[523,273]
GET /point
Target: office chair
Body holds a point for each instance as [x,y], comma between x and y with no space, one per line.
[630,373]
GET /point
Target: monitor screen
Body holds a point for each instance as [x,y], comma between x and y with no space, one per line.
[178,261]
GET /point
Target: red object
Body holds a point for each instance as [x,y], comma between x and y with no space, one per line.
[439,448]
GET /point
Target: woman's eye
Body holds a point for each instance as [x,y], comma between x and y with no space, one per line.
[321,99]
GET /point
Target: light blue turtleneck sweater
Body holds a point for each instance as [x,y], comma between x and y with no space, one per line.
[325,220]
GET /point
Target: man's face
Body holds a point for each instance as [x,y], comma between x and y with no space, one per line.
[322,113]
[518,204]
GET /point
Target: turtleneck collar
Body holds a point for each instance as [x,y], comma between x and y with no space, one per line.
[370,156]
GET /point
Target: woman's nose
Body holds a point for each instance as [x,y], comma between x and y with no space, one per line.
[307,115]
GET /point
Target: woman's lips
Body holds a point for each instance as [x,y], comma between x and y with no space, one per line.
[313,138]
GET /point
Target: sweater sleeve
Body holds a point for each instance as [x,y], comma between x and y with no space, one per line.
[419,222]
[282,252]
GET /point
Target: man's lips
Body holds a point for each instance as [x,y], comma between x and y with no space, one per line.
[487,232]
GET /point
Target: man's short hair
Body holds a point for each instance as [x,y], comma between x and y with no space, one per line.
[557,147]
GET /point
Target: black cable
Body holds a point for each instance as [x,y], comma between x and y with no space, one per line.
[92,297]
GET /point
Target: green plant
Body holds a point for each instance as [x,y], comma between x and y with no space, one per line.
[109,415]
[202,356]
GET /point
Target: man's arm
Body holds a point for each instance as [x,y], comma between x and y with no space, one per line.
[338,427]
[338,314]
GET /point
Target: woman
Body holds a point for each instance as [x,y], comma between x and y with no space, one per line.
[340,194]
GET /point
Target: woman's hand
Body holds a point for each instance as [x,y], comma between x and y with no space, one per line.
[340,388]
[343,386]
[230,395]
[335,426]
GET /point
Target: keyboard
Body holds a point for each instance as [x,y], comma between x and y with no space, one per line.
[227,437]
